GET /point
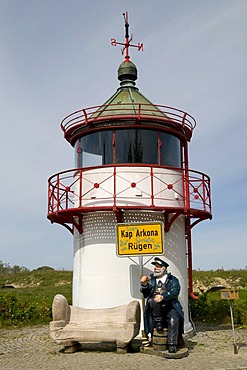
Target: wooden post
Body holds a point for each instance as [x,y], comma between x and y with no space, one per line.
[233,330]
[230,295]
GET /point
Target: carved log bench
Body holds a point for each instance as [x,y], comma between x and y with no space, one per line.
[72,325]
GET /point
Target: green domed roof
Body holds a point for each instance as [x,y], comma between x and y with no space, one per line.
[127,98]
[127,107]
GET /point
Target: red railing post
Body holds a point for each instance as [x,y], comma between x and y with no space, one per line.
[67,189]
[203,193]
[183,119]
[53,199]
[85,115]
[209,196]
[139,113]
[57,186]
[80,190]
[49,199]
[152,186]
[114,187]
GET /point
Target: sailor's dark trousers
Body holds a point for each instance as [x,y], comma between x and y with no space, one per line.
[168,316]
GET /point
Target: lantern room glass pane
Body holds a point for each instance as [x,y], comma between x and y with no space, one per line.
[170,150]
[94,149]
[137,146]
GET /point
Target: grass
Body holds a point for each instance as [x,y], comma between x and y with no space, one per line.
[45,277]
[30,303]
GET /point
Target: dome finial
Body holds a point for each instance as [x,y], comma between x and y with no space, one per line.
[127,73]
[127,44]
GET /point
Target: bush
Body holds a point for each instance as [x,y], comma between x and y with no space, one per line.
[15,312]
[210,308]
[32,304]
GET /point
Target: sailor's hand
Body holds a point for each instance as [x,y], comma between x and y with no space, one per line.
[145,280]
[158,298]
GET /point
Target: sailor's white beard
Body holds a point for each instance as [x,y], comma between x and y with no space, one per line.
[159,274]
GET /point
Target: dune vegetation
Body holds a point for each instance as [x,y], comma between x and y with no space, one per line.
[26,296]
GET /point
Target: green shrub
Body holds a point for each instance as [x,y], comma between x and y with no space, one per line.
[210,308]
[31,305]
[15,312]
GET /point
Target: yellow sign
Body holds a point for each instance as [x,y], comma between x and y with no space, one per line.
[229,294]
[137,239]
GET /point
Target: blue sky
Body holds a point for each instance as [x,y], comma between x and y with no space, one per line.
[56,58]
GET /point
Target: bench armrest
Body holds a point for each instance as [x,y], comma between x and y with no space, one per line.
[133,312]
[60,309]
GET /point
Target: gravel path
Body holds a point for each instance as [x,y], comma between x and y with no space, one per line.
[31,349]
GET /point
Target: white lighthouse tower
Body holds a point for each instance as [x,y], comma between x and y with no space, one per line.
[131,167]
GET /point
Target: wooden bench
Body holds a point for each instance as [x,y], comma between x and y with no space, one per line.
[72,325]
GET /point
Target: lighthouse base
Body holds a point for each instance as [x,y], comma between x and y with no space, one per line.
[101,279]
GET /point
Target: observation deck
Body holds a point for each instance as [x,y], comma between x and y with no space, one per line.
[173,191]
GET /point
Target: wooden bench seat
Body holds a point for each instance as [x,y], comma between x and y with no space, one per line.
[72,325]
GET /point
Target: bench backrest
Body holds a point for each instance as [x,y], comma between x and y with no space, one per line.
[111,315]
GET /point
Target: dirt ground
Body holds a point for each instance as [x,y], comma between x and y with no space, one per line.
[31,348]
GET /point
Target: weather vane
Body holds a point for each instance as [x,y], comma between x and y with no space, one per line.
[127,43]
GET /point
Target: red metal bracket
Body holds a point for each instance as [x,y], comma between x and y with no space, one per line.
[169,222]
[119,214]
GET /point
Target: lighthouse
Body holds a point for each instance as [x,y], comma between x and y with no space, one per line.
[132,168]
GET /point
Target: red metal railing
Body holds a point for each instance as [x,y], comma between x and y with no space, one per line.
[123,186]
[137,111]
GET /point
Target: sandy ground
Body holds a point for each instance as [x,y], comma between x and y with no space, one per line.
[32,348]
